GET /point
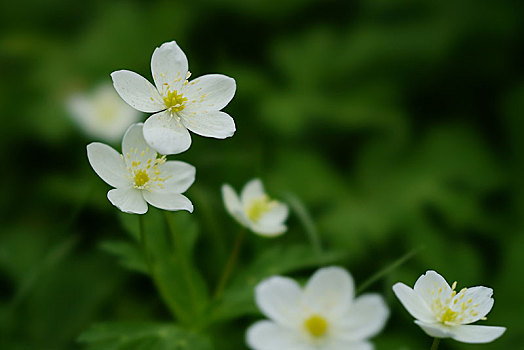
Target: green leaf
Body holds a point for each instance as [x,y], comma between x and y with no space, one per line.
[142,335]
[168,240]
[129,254]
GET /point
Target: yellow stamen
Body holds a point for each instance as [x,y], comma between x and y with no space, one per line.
[141,178]
[449,316]
[259,206]
[316,325]
[174,101]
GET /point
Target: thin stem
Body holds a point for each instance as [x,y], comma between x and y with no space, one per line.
[174,307]
[306,220]
[230,263]
[434,346]
[212,226]
[388,269]
[143,241]
[179,248]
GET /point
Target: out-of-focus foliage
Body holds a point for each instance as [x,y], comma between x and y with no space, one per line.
[143,336]
[397,124]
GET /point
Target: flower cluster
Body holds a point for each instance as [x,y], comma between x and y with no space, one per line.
[323,315]
[139,175]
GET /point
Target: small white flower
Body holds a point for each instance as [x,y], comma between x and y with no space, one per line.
[139,176]
[443,313]
[255,210]
[179,104]
[102,114]
[322,316]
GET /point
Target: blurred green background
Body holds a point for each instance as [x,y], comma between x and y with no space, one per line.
[398,123]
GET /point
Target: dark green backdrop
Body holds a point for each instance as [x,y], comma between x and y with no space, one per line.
[398,124]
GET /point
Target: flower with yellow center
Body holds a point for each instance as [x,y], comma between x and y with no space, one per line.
[442,312]
[255,210]
[179,104]
[324,315]
[101,113]
[140,176]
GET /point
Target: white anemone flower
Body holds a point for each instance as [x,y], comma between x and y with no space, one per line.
[255,210]
[443,313]
[102,114]
[178,104]
[140,176]
[322,316]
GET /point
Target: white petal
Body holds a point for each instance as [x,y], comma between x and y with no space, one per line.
[102,114]
[209,124]
[365,318]
[254,189]
[82,110]
[180,176]
[165,134]
[330,290]
[108,164]
[267,230]
[477,334]
[137,91]
[169,67]
[80,107]
[414,303]
[133,144]
[232,204]
[478,303]
[436,330]
[338,344]
[112,115]
[129,200]
[278,298]
[266,335]
[275,216]
[210,92]
[168,200]
[428,285]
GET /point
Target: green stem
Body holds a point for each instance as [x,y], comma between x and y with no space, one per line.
[213,227]
[179,248]
[174,307]
[434,346]
[307,222]
[388,269]
[230,264]
[143,241]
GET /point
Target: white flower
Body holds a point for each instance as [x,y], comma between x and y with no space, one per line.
[322,316]
[102,114]
[255,210]
[140,177]
[443,313]
[179,104]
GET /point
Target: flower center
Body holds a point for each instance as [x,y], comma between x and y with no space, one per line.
[141,178]
[259,206]
[144,171]
[316,325]
[455,309]
[448,315]
[174,101]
